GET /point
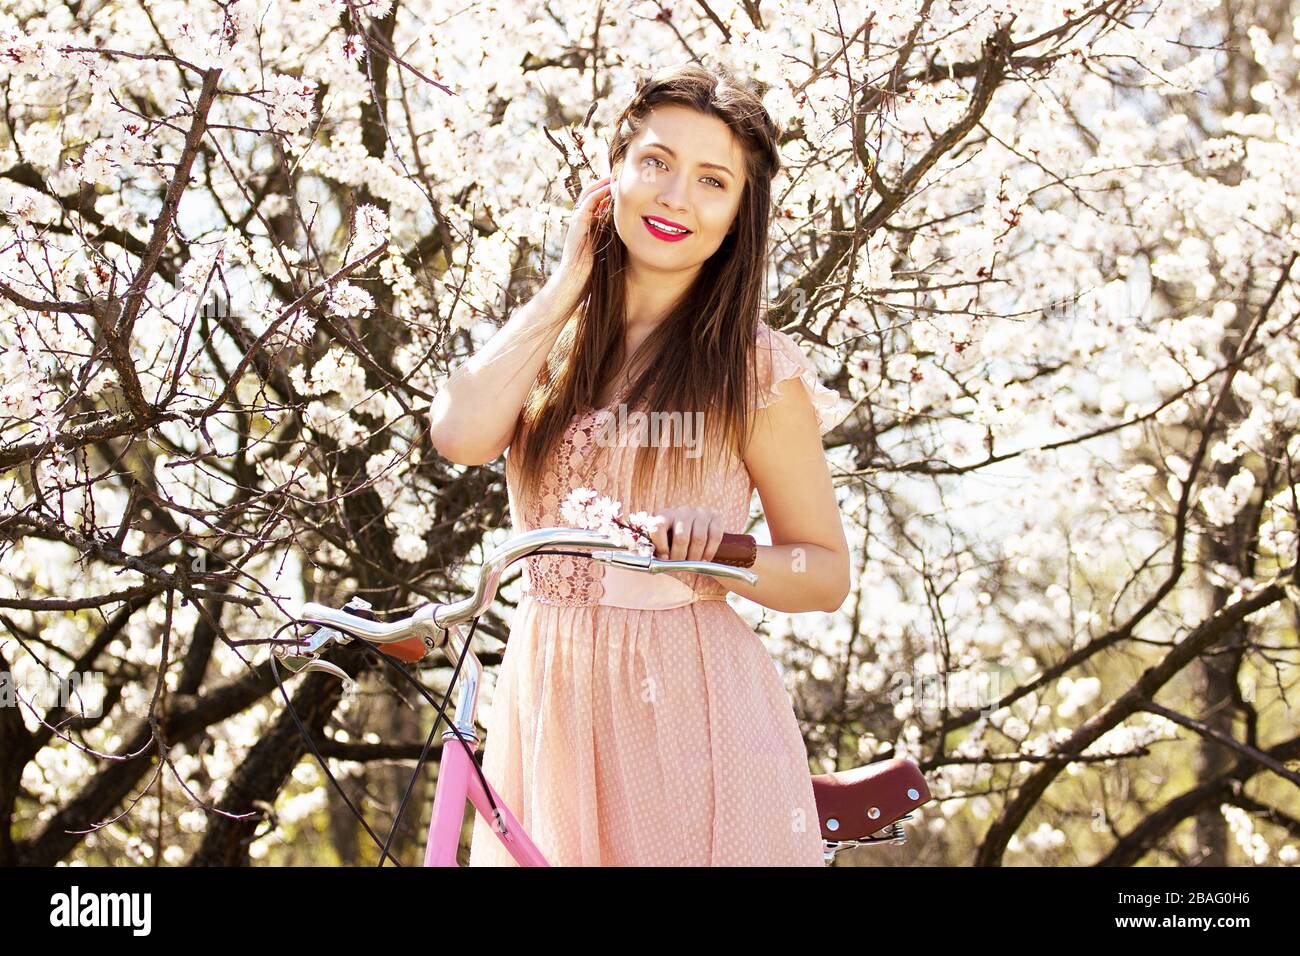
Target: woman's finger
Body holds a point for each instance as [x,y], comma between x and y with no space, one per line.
[594,206]
[659,537]
[681,538]
[699,536]
[594,189]
[714,537]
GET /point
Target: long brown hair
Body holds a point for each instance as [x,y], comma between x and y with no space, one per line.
[703,351]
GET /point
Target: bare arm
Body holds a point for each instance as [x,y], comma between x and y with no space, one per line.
[474,413]
[806,568]
[473,417]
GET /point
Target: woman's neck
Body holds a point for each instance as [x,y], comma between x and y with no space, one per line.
[650,297]
[651,294]
[633,335]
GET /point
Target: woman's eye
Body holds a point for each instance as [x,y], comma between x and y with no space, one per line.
[656,159]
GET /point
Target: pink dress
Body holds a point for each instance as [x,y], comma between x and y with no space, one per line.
[637,720]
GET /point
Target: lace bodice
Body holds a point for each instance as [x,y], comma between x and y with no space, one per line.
[581,461]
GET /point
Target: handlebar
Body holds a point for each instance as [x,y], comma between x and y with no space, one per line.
[421,632]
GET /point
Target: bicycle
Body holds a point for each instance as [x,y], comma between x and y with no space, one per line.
[864,806]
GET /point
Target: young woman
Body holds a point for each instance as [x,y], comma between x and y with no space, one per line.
[636,719]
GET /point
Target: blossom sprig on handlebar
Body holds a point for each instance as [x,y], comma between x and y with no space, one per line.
[588,509]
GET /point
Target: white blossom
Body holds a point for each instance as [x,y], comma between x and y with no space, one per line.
[1243,831]
[289,102]
[1221,504]
[585,508]
[1076,695]
[371,226]
[348,301]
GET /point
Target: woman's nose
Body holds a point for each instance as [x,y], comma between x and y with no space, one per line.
[673,197]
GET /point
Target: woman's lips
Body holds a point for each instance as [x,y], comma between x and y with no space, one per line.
[660,234]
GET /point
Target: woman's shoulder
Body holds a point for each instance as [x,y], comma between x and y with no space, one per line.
[775,350]
[778,357]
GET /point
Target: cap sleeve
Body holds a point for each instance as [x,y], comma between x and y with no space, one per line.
[778,357]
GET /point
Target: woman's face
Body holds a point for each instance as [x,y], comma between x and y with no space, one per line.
[682,169]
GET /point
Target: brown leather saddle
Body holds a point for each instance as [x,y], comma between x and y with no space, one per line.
[852,805]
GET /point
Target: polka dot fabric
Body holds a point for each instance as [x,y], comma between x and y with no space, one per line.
[631,737]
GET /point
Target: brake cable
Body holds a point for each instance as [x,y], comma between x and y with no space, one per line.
[419,764]
[440,716]
[275,670]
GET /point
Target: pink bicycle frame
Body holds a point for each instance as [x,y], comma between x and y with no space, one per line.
[457,782]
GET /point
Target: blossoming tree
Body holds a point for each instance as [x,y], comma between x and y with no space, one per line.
[1045,250]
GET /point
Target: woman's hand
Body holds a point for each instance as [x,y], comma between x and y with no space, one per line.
[576,261]
[687,534]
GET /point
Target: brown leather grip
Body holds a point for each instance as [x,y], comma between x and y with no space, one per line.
[739,550]
[410,649]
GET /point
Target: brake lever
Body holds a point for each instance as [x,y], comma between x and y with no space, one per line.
[327,668]
[304,656]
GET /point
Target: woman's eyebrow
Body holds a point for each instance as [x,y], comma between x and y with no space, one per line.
[669,151]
